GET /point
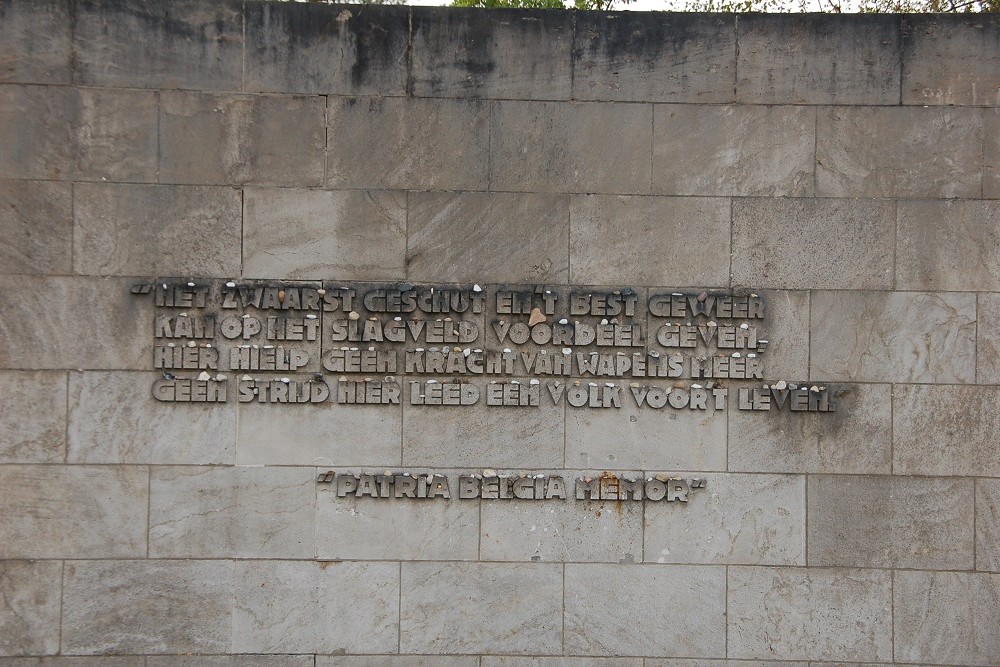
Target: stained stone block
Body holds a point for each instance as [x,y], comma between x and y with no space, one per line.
[947,617]
[741,150]
[893,337]
[487,236]
[645,610]
[156,44]
[814,614]
[230,661]
[988,525]
[30,594]
[36,222]
[397,661]
[113,418]
[946,430]
[520,661]
[838,244]
[412,143]
[646,240]
[536,147]
[466,53]
[238,139]
[294,607]
[53,511]
[856,438]
[683,662]
[988,339]
[317,49]
[209,512]
[818,59]
[951,60]
[33,422]
[196,230]
[75,661]
[991,154]
[347,234]
[786,324]
[481,608]
[144,606]
[898,152]
[35,41]
[677,58]
[737,519]
[948,245]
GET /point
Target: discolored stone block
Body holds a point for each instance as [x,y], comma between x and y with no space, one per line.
[991,154]
[988,525]
[684,662]
[33,422]
[397,661]
[521,661]
[36,222]
[786,324]
[35,41]
[30,595]
[952,60]
[988,338]
[230,661]
[75,661]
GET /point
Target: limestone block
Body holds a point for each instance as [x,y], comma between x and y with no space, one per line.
[813,243]
[147,606]
[411,143]
[520,661]
[294,607]
[154,44]
[33,421]
[988,339]
[75,661]
[30,593]
[536,147]
[676,58]
[684,662]
[898,152]
[53,511]
[952,60]
[814,614]
[649,241]
[315,49]
[240,139]
[488,237]
[946,430]
[856,438]
[313,234]
[397,661]
[890,522]
[35,41]
[498,54]
[227,512]
[948,245]
[991,154]
[736,519]
[645,610]
[113,418]
[481,608]
[893,337]
[36,222]
[947,617]
[230,661]
[988,525]
[195,230]
[786,323]
[818,59]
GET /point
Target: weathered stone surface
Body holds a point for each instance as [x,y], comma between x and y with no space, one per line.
[487,236]
[151,44]
[398,661]
[818,59]
[814,614]
[33,421]
[646,241]
[536,147]
[230,661]
[838,244]
[467,53]
[411,143]
[684,662]
[113,418]
[946,430]
[988,525]
[53,511]
[75,661]
[195,230]
[677,58]
[947,617]
[786,322]
[317,49]
[442,608]
[30,595]
[227,512]
[35,41]
[350,234]
[951,60]
[991,154]
[898,152]
[147,606]
[857,438]
[521,661]
[736,519]
[948,245]
[668,609]
[741,150]
[330,607]
[988,338]
[239,139]
[893,337]
[36,222]
[890,522]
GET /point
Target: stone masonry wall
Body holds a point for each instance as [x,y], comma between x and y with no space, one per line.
[844,168]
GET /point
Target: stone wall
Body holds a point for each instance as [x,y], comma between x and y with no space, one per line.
[844,168]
